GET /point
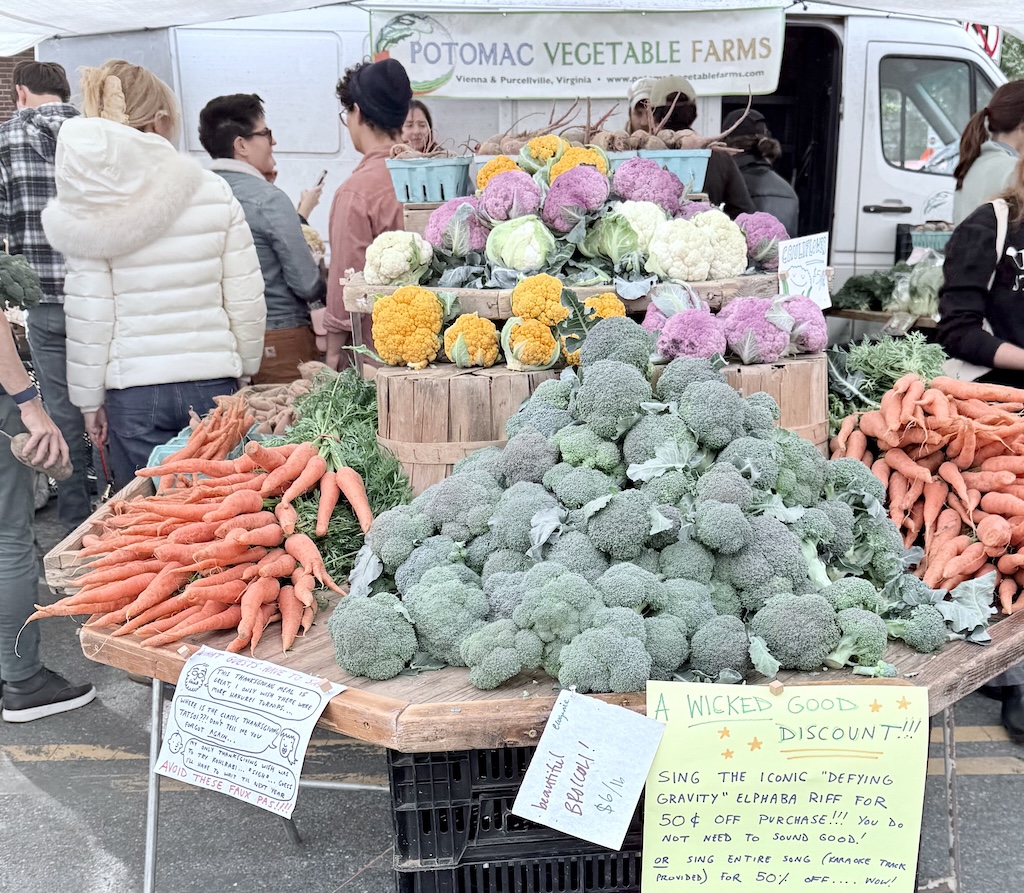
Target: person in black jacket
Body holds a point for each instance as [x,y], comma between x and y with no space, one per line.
[767,189]
[982,322]
[674,104]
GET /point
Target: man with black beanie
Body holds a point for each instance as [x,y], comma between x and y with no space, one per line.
[375,99]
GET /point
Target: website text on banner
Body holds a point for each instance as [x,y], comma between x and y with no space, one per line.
[566,55]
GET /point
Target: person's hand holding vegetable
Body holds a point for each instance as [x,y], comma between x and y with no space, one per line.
[96,426]
[45,447]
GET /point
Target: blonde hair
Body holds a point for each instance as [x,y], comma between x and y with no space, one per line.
[128,94]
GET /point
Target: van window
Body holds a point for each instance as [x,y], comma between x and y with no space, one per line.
[925,105]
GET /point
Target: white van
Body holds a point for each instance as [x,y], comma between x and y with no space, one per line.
[869,107]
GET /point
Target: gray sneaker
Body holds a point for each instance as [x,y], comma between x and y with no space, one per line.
[44,694]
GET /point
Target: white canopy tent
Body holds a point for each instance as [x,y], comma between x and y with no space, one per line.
[23,25]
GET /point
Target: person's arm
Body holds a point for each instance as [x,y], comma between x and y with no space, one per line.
[308,200]
[350,235]
[284,233]
[242,286]
[46,446]
[963,298]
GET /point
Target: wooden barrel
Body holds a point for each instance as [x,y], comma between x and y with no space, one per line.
[432,418]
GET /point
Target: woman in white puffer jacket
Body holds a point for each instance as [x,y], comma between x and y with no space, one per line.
[163,295]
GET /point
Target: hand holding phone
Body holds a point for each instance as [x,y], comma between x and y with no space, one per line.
[323,176]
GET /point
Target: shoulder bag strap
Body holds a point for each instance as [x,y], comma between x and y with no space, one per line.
[1002,221]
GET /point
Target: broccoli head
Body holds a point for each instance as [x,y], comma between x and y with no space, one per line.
[723,482]
[478,550]
[582,485]
[799,630]
[624,585]
[652,431]
[802,470]
[609,399]
[553,392]
[851,481]
[689,601]
[621,529]
[864,639]
[671,488]
[446,605]
[574,551]
[853,592]
[609,656]
[504,591]
[726,598]
[395,533]
[882,670]
[666,537]
[721,526]
[580,446]
[720,644]
[554,474]
[757,460]
[621,339]
[372,635]
[923,629]
[558,604]
[435,551]
[464,501]
[527,457]
[761,412]
[682,372]
[485,459]
[772,552]
[537,417]
[498,651]
[667,644]
[754,598]
[505,561]
[687,559]
[513,515]
[713,411]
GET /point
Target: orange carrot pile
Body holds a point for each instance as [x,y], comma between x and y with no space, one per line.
[951,455]
[210,554]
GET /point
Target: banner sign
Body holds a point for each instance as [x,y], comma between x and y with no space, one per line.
[567,55]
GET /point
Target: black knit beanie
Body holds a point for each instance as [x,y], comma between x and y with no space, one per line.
[383,93]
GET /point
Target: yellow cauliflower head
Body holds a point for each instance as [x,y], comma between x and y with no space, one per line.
[529,344]
[471,341]
[539,297]
[542,148]
[605,305]
[497,165]
[407,327]
[571,357]
[575,156]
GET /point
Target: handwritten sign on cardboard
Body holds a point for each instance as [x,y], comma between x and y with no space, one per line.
[241,726]
[803,268]
[818,788]
[589,769]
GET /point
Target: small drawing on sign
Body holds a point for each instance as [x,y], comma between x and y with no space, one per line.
[288,745]
[196,678]
[175,743]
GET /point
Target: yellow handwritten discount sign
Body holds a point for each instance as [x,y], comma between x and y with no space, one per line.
[815,788]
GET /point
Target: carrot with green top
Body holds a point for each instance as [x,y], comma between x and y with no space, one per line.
[243,502]
[291,609]
[305,552]
[354,490]
[278,480]
[225,618]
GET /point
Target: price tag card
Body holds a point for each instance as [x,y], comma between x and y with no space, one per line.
[803,268]
[241,726]
[589,769]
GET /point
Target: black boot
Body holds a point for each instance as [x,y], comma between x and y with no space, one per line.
[1012,713]
[43,694]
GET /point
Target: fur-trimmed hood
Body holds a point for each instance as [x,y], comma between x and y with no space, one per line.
[118,189]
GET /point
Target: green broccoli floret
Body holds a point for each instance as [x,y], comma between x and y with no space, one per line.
[581,485]
[772,552]
[757,460]
[864,639]
[554,474]
[609,399]
[554,392]
[620,339]
[621,529]
[574,551]
[718,645]
[558,604]
[713,411]
[906,590]
[485,459]
[726,598]
[761,412]
[841,516]
[435,551]
[527,457]
[513,514]
[813,528]
[504,591]
[372,635]
[505,561]
[722,482]
[581,447]
[461,505]
[687,559]
[624,585]
[478,550]
[880,670]
[609,656]
[754,598]
[721,526]
[853,592]
[648,560]
[667,644]
[651,432]
[850,480]
[446,605]
[679,374]
[924,629]
[667,537]
[690,601]
[877,551]
[498,651]
[537,417]
[671,487]
[395,533]
[802,471]
[799,630]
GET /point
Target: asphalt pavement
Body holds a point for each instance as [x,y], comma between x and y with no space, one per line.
[73,802]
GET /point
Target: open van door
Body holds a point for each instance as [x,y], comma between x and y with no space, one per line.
[917,101]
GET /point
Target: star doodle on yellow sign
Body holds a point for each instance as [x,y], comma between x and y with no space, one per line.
[903,703]
[875,706]
[727,754]
[723,732]
[754,745]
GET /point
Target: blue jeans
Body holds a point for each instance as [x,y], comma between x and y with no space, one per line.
[19,568]
[144,417]
[46,338]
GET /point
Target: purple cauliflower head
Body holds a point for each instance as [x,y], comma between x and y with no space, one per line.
[511,194]
[689,209]
[763,232]
[643,180]
[810,331]
[454,230]
[653,319]
[574,193]
[692,333]
[751,332]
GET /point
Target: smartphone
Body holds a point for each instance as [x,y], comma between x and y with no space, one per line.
[323,176]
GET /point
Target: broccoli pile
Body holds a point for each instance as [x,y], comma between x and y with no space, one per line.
[633,529]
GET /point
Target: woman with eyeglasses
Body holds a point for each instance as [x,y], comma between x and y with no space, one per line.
[164,295]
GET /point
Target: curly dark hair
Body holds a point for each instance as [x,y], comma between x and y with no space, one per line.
[226,118]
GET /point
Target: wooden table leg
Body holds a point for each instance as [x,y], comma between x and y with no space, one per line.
[153,792]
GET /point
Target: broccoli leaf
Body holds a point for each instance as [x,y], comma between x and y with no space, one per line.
[595,505]
[659,523]
[633,291]
[762,659]
[970,606]
[545,527]
[670,456]
[773,506]
[422,661]
[367,568]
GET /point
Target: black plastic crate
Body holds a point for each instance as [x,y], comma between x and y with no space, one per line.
[593,873]
[445,835]
[431,780]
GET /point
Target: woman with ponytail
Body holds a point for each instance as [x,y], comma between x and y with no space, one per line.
[164,294]
[989,148]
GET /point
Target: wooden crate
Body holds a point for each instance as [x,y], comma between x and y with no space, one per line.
[415,216]
[430,419]
[800,387]
[495,303]
[61,564]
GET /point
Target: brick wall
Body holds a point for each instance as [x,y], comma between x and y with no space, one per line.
[7,64]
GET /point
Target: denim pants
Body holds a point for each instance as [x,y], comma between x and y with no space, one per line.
[147,416]
[19,568]
[46,338]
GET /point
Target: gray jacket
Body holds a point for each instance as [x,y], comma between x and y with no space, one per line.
[291,277]
[990,174]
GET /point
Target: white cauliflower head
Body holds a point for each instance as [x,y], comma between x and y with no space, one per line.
[397,258]
[680,250]
[644,217]
[727,239]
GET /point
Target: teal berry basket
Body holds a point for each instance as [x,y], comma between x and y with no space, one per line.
[690,165]
[617,158]
[429,179]
[935,239]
